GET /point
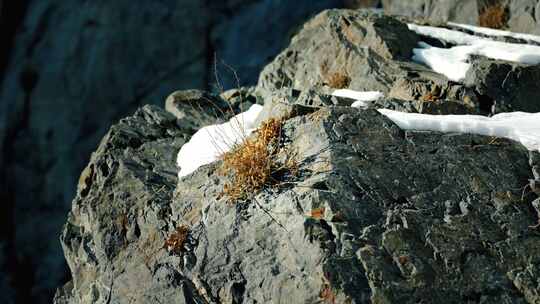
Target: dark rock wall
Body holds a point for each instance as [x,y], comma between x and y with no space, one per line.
[78,66]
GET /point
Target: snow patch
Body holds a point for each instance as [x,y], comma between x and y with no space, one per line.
[453,62]
[494,32]
[210,142]
[362,98]
[455,37]
[519,126]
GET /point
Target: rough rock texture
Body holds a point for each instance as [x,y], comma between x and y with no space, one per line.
[353,44]
[372,214]
[508,85]
[125,172]
[374,51]
[78,66]
[521,16]
[463,11]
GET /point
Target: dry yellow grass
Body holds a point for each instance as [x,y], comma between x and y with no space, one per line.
[318,213]
[252,164]
[338,80]
[493,16]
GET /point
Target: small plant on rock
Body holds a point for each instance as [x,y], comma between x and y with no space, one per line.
[254,164]
[493,16]
[338,80]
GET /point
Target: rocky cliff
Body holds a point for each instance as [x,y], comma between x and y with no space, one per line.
[75,68]
[371,213]
[69,69]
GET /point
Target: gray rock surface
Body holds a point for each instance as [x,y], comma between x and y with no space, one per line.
[133,167]
[373,52]
[509,86]
[359,45]
[78,66]
[522,15]
[374,214]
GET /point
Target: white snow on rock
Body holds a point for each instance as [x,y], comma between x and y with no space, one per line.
[519,126]
[362,98]
[453,62]
[493,32]
[455,37]
[450,62]
[210,142]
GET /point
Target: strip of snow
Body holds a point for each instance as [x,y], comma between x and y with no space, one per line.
[519,126]
[455,37]
[453,62]
[494,32]
[362,98]
[210,142]
[522,53]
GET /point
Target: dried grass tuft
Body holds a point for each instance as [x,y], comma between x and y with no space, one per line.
[326,294]
[493,16]
[318,213]
[430,97]
[253,164]
[338,80]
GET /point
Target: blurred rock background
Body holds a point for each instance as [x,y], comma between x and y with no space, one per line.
[69,69]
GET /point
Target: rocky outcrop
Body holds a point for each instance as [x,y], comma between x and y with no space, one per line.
[126,174]
[518,16]
[507,85]
[75,68]
[373,53]
[371,213]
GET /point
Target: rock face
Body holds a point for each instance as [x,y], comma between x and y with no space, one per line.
[372,214]
[78,66]
[519,16]
[373,53]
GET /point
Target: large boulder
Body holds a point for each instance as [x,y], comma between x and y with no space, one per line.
[373,214]
[368,213]
[366,51]
[78,66]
